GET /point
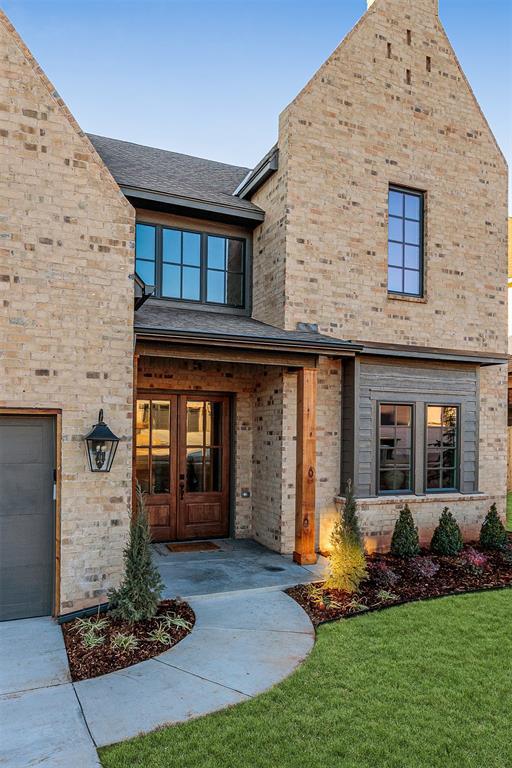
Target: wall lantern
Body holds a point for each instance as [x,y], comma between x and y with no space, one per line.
[101,446]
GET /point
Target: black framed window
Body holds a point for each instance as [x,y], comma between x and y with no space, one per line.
[395,450]
[442,454]
[191,266]
[405,242]
[145,253]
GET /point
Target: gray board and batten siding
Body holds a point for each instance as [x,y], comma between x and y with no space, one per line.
[366,383]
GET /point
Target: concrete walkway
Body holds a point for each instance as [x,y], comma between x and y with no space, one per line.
[236,566]
[241,645]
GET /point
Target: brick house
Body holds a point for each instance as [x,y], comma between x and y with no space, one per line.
[338,312]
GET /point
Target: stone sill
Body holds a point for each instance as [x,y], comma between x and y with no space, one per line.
[412,499]
[404,297]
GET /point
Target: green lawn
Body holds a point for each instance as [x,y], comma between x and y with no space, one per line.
[425,685]
[509,511]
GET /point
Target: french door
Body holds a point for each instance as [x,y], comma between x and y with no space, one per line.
[182,464]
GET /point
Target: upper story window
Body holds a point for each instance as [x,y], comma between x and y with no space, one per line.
[405,242]
[191,266]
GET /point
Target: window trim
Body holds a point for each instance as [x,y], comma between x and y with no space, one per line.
[421,195]
[201,303]
[457,488]
[407,491]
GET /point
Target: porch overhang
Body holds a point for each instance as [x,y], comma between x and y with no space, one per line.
[173,331]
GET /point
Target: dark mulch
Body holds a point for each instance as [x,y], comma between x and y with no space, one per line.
[392,581]
[85,662]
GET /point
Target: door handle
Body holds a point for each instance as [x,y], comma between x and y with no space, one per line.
[182,490]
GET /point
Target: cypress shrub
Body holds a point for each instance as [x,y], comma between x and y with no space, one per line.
[405,542]
[447,538]
[347,561]
[492,533]
[139,594]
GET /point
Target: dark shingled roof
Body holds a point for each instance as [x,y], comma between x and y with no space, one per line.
[161,318]
[158,170]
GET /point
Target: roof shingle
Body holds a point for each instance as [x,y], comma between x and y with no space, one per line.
[158,170]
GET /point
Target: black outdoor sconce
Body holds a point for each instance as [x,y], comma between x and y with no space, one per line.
[101,446]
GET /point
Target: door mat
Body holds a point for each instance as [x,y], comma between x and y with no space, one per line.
[192,546]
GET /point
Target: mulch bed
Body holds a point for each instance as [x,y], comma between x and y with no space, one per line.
[86,662]
[392,581]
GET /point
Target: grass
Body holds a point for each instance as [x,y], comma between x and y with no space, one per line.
[509,512]
[419,686]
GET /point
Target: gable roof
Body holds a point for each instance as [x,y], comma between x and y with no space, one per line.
[158,170]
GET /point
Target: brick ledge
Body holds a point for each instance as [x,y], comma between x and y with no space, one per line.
[412,499]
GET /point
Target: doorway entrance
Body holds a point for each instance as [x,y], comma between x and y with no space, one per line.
[182,464]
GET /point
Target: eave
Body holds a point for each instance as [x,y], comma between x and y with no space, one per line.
[187,206]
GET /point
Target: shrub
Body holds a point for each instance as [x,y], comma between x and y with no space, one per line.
[405,542]
[347,561]
[350,519]
[474,560]
[383,575]
[492,533]
[447,538]
[425,567]
[138,596]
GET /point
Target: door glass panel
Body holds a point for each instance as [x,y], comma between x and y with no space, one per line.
[142,422]
[204,450]
[142,467]
[195,435]
[194,470]
[216,472]
[160,415]
[160,473]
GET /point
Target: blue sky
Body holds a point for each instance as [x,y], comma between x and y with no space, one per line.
[209,77]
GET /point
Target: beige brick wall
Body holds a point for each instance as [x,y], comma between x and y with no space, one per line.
[66,252]
[355,128]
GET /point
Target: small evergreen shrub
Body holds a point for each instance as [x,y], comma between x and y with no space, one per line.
[139,594]
[405,542]
[492,533]
[447,538]
[347,561]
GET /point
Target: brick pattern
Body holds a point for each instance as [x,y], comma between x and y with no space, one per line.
[355,128]
[66,252]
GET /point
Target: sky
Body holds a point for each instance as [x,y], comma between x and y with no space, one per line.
[210,77]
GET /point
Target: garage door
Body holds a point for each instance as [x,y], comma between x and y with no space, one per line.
[27,516]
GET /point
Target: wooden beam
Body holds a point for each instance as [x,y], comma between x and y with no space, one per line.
[134,430]
[225,355]
[304,553]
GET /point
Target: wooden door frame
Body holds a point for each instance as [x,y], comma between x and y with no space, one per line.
[141,393]
[56,413]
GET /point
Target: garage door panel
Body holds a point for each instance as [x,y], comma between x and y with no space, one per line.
[19,600]
[27,516]
[25,490]
[22,444]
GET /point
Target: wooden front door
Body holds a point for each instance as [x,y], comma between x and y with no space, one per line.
[182,464]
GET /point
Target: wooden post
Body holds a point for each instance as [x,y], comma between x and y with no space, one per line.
[304,553]
[134,430]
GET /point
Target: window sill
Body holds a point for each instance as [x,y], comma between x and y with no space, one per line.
[404,297]
[408,498]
